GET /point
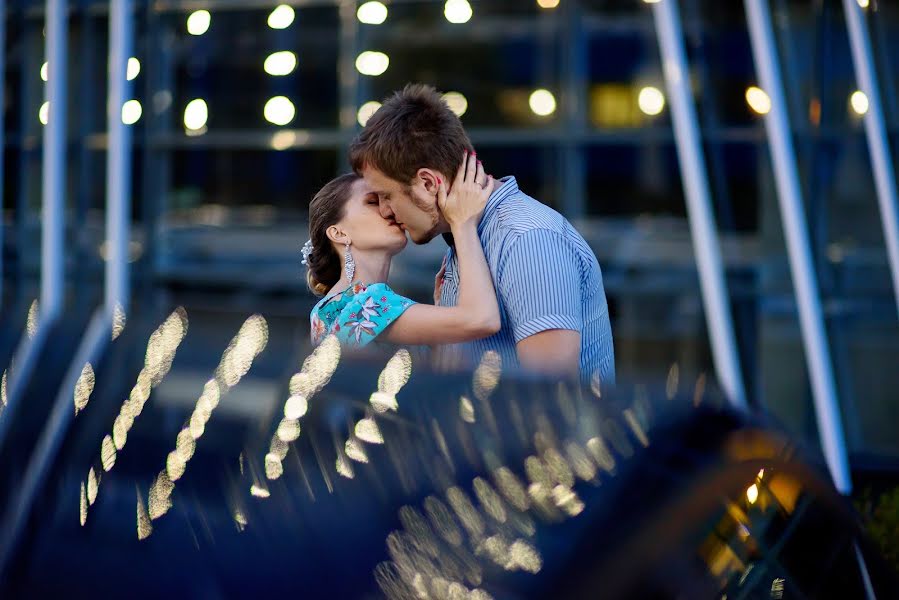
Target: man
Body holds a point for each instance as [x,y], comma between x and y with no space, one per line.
[555,318]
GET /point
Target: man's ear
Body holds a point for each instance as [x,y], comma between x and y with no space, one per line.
[428,178]
[337,235]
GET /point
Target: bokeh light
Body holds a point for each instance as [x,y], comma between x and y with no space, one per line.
[542,102]
[758,100]
[280,63]
[372,13]
[372,63]
[457,11]
[198,22]
[282,17]
[651,100]
[457,102]
[279,110]
[366,111]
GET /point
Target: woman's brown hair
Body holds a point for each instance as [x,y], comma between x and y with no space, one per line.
[326,209]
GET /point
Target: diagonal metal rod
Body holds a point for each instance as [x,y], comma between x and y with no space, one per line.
[875,131]
[802,267]
[699,207]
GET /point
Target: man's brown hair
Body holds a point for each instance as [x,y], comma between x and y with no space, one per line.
[413,129]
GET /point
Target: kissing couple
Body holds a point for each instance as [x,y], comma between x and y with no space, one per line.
[516,279]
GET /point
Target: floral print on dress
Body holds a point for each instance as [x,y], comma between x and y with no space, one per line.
[357,315]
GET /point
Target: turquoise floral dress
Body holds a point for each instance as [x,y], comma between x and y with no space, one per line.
[357,315]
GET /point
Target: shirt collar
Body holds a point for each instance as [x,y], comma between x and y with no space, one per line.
[507,187]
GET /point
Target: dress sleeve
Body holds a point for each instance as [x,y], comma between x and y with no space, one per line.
[368,314]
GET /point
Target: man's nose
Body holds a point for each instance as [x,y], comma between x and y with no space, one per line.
[384,209]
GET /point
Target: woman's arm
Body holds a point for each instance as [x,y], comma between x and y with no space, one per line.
[476,314]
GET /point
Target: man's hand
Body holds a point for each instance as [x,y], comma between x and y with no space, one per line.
[554,352]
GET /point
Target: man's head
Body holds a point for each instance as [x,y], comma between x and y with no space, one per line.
[410,142]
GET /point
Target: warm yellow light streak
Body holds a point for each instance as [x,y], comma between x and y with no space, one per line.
[486,376]
[396,373]
[259,491]
[82,513]
[511,488]
[160,496]
[467,513]
[355,451]
[144,526]
[367,430]
[118,321]
[566,499]
[600,453]
[631,419]
[236,361]
[240,519]
[31,322]
[174,466]
[490,500]
[107,453]
[466,409]
[273,467]
[671,384]
[93,485]
[296,407]
[442,521]
[580,463]
[314,374]
[288,430]
[525,556]
[84,387]
[382,402]
[344,467]
[752,493]
[558,467]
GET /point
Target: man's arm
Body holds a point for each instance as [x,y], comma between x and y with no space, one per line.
[555,352]
[539,282]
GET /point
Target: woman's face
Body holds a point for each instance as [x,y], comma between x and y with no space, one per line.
[367,229]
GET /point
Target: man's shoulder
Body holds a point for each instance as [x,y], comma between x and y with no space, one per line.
[520,214]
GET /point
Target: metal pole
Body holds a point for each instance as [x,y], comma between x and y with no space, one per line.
[93,345]
[53,215]
[118,158]
[2,132]
[802,270]
[54,166]
[699,208]
[875,130]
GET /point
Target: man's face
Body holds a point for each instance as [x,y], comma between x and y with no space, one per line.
[413,207]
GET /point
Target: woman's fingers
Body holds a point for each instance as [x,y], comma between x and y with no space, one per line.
[441,194]
[471,168]
[479,177]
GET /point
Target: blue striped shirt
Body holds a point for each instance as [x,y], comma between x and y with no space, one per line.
[546,277]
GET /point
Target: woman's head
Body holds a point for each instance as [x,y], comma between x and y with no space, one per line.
[346,211]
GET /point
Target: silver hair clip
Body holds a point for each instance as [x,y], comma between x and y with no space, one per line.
[307,250]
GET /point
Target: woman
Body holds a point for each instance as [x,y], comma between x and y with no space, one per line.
[349,254]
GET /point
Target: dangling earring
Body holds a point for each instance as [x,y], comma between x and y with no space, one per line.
[349,266]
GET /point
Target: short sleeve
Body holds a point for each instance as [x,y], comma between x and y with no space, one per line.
[539,282]
[368,314]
